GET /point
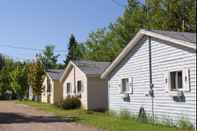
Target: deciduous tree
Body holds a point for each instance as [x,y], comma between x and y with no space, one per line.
[35,77]
[48,58]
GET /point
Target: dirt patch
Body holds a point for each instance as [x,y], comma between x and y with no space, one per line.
[18,117]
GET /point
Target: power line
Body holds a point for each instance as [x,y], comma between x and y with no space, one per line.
[27,48]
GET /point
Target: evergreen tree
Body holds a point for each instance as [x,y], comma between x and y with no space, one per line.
[74,51]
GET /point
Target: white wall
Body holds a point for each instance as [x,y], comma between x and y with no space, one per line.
[44,95]
[136,65]
[79,75]
[164,59]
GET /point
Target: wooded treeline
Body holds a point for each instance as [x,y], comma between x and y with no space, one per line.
[17,76]
[106,43]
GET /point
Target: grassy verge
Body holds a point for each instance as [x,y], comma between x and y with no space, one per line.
[99,120]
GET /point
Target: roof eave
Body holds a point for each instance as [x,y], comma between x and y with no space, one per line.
[93,75]
[134,41]
[65,71]
[122,54]
[166,38]
[70,64]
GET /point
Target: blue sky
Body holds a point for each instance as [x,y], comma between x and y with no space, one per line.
[37,23]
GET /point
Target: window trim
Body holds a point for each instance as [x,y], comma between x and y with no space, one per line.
[130,89]
[81,86]
[68,83]
[169,77]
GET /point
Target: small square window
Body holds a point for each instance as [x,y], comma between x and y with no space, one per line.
[176,80]
[125,85]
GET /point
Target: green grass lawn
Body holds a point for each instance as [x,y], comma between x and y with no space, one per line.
[99,120]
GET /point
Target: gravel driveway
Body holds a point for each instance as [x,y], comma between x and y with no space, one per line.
[17,117]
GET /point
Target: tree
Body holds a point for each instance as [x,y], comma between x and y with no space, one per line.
[74,51]
[96,47]
[172,15]
[47,57]
[105,44]
[19,83]
[35,77]
[5,77]
[1,61]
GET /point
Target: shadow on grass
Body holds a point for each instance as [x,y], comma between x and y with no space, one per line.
[10,118]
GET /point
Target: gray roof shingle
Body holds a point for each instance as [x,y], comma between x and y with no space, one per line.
[184,36]
[55,74]
[92,67]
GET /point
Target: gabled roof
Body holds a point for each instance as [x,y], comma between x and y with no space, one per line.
[179,38]
[89,68]
[184,36]
[55,74]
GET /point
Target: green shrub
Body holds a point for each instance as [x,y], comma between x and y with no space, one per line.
[71,103]
[184,123]
[167,121]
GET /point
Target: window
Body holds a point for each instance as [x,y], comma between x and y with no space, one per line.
[68,88]
[176,80]
[79,86]
[48,85]
[125,85]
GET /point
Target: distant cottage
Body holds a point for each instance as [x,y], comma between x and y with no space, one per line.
[156,72]
[52,88]
[82,79]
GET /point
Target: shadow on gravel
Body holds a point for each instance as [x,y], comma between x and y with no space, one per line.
[10,118]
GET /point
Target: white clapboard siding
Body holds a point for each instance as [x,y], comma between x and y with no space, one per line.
[164,58]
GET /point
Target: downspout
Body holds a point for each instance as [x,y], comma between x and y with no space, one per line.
[151,92]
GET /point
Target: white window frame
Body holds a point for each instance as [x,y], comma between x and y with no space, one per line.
[130,86]
[185,81]
[176,81]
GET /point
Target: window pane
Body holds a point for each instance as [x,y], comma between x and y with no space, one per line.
[78,86]
[173,80]
[48,85]
[68,87]
[125,85]
[180,83]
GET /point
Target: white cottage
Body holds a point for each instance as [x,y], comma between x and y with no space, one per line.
[156,71]
[52,88]
[82,79]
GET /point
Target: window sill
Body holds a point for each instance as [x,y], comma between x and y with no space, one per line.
[125,92]
[175,93]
